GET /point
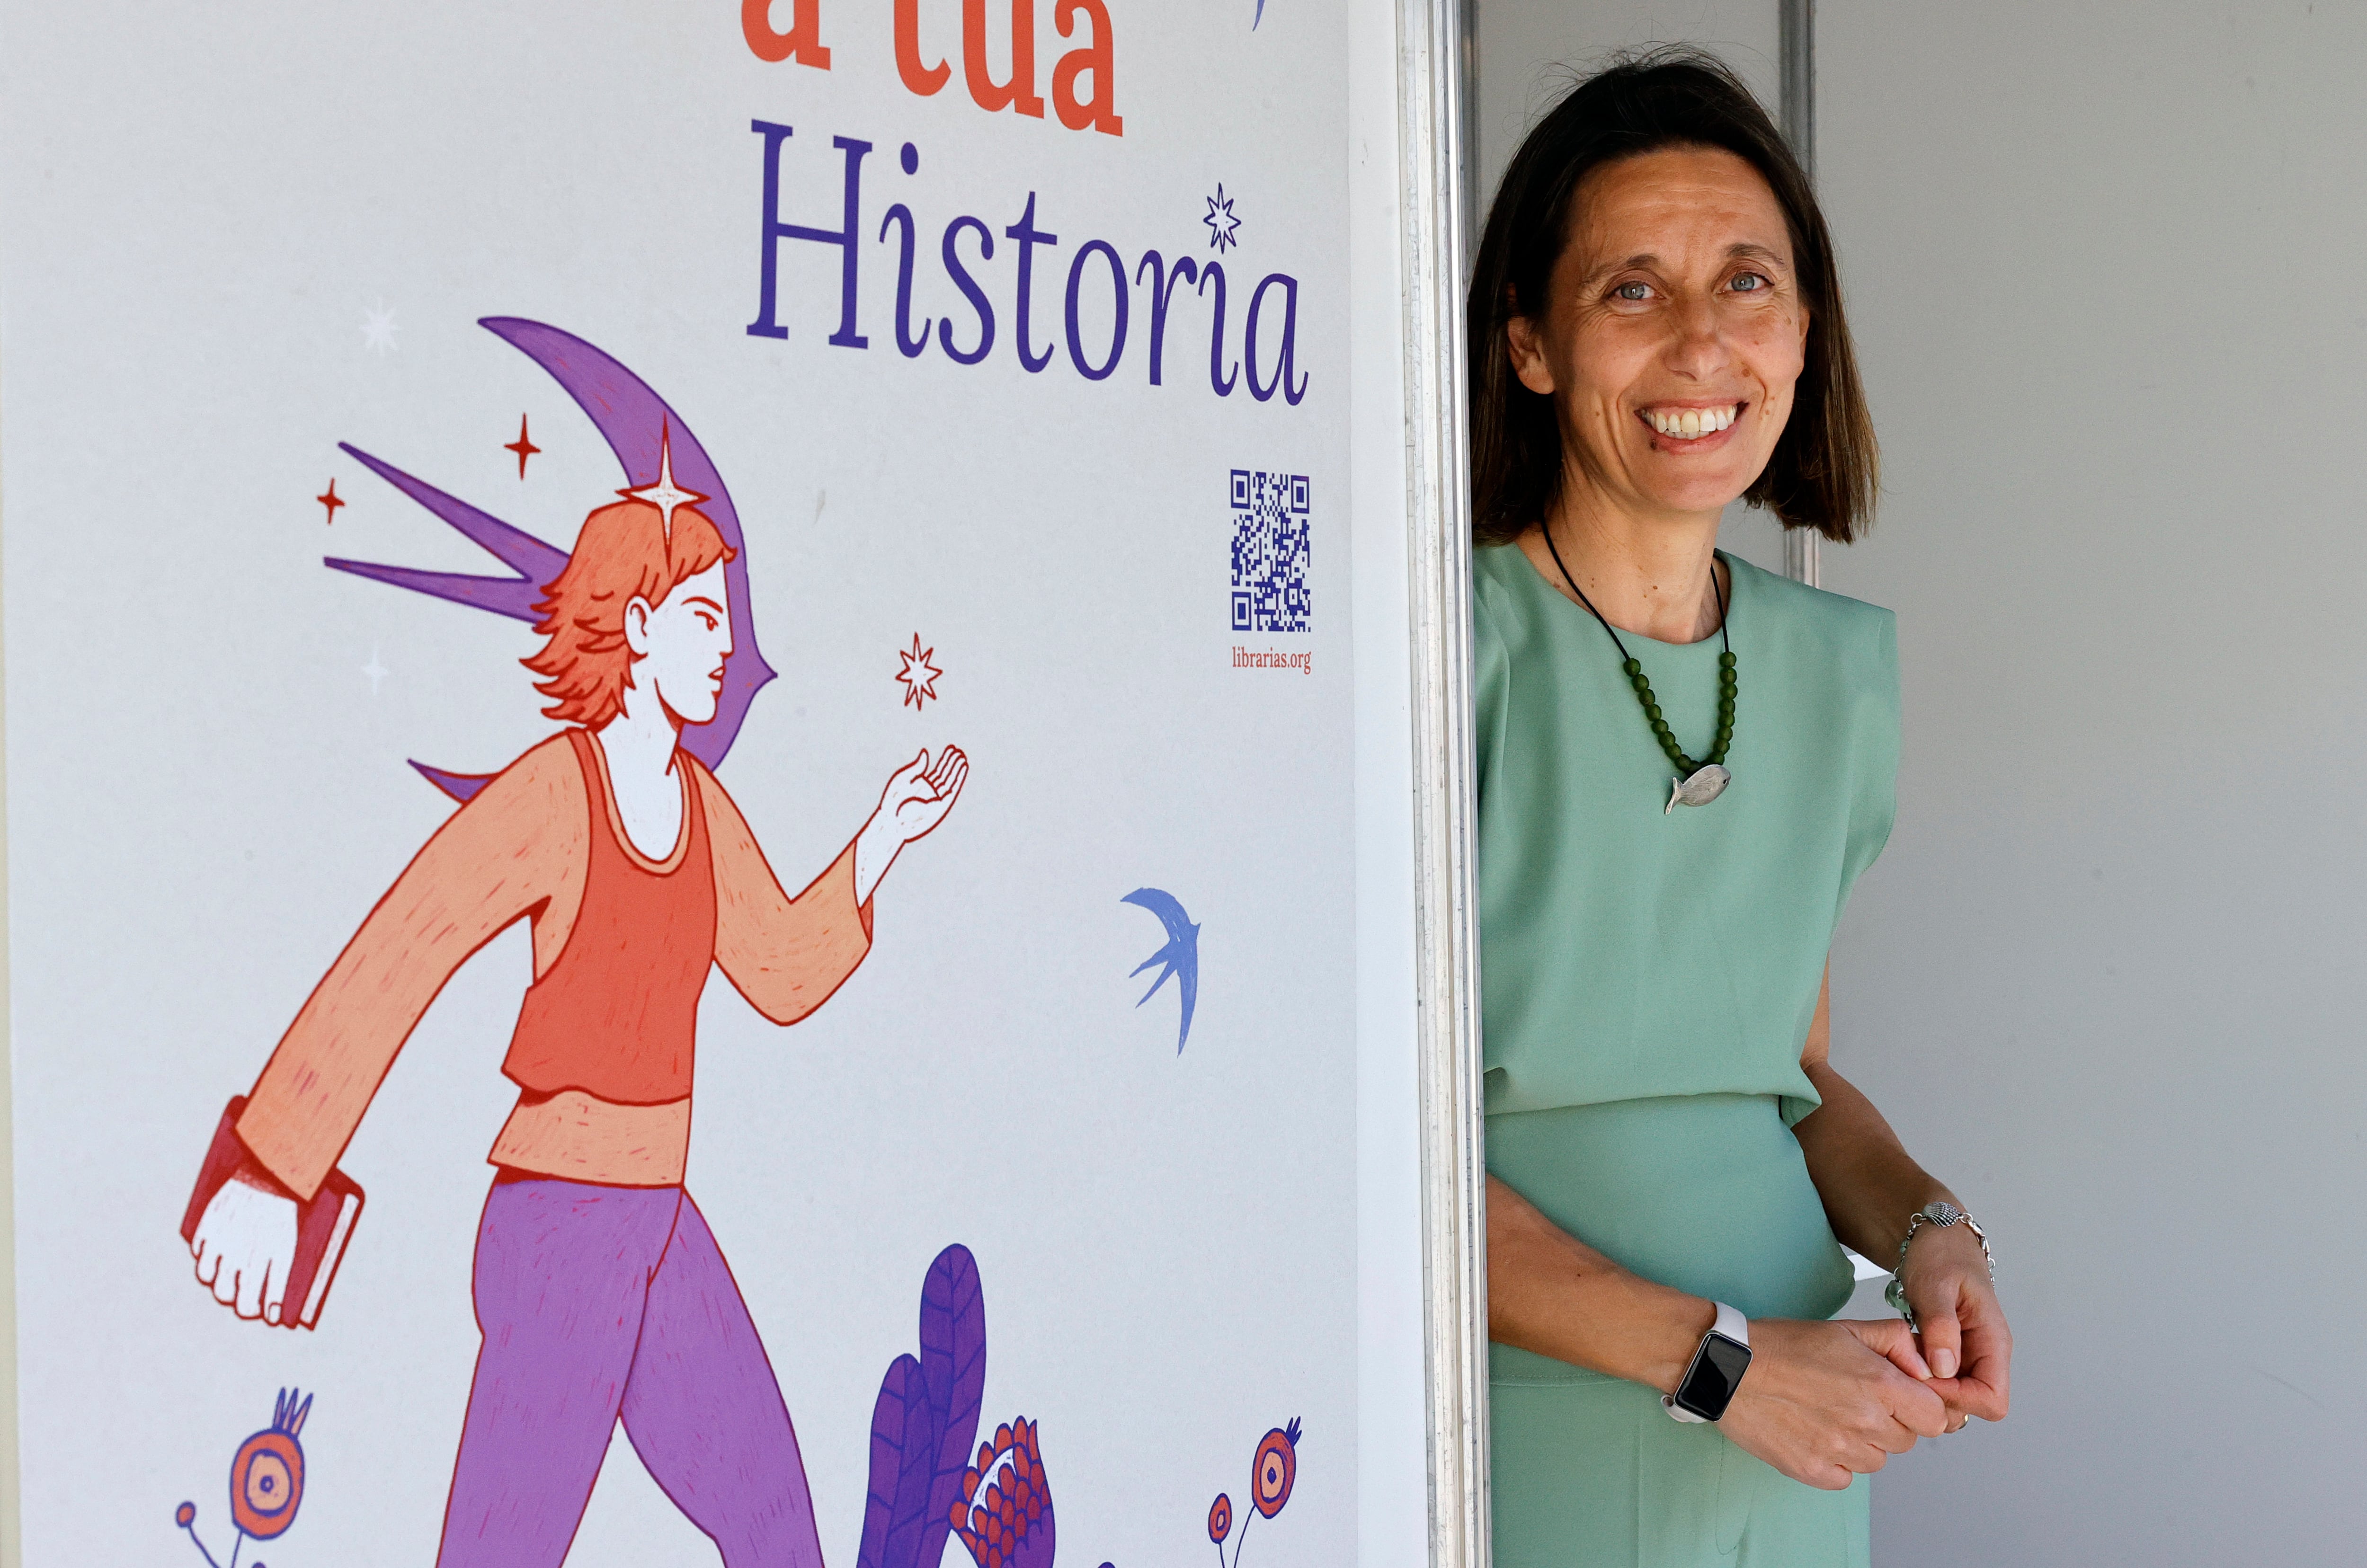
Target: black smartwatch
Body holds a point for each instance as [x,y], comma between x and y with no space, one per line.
[1717,1371]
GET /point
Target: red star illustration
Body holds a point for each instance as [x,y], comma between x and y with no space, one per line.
[522,446]
[331,501]
[919,676]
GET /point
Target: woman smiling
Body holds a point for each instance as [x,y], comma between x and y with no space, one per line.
[1684,764]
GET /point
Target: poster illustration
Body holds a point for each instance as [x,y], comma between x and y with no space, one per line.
[679,732]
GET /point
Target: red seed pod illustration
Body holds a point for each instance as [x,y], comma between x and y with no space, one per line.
[1275,1469]
[1007,1522]
[266,1476]
[1220,1518]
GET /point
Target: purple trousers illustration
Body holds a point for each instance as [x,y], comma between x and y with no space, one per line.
[598,1304]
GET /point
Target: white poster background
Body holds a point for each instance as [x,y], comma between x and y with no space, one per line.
[207,731]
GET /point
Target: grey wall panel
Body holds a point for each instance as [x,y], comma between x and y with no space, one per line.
[2104,267]
[1528,51]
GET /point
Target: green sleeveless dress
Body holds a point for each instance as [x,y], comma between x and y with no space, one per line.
[1648,980]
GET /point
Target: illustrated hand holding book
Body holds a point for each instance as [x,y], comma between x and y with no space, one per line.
[246,1250]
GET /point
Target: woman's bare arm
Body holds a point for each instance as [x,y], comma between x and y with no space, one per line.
[1551,1294]
[1870,1186]
[1822,1402]
[1868,1183]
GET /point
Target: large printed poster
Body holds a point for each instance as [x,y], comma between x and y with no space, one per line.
[679,779]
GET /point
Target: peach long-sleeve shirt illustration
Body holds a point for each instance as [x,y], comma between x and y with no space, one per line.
[527,846]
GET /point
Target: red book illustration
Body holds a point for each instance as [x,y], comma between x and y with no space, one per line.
[322,1226]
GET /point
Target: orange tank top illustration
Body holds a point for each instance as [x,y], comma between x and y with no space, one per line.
[617,1014]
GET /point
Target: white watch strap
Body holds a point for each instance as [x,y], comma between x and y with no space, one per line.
[1731,1324]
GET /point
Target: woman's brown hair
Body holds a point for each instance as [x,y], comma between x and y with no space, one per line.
[1823,472]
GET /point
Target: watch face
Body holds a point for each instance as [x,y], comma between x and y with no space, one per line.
[1716,1374]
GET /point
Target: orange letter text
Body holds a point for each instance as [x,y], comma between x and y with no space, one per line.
[801,43]
[1020,91]
[921,79]
[1101,110]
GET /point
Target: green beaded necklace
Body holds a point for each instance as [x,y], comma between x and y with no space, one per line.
[1696,783]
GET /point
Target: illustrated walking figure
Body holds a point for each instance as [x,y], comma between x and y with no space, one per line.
[600,1291]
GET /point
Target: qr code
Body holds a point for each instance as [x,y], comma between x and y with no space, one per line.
[1271,545]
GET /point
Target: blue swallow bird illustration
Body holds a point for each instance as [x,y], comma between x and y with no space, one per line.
[1181,955]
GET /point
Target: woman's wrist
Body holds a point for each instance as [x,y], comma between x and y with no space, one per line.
[1681,1322]
[1884,1212]
[1958,1243]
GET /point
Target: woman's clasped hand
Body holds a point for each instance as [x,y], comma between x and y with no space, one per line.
[1960,1325]
[1823,1401]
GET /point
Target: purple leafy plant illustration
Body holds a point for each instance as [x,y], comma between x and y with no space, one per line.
[924,1420]
[926,1481]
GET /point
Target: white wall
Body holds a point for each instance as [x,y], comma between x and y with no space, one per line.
[2104,266]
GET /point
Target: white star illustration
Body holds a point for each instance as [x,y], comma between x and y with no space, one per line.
[379,329]
[665,495]
[1221,220]
[375,671]
[919,676]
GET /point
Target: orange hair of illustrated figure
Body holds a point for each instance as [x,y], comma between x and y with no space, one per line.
[622,554]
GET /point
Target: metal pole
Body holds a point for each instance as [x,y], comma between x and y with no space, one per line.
[1434,149]
[1797,21]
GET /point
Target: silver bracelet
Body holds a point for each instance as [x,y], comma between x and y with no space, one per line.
[1939,1215]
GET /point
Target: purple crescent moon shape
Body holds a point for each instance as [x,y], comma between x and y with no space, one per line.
[632,418]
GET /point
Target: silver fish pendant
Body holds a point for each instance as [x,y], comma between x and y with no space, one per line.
[1700,788]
